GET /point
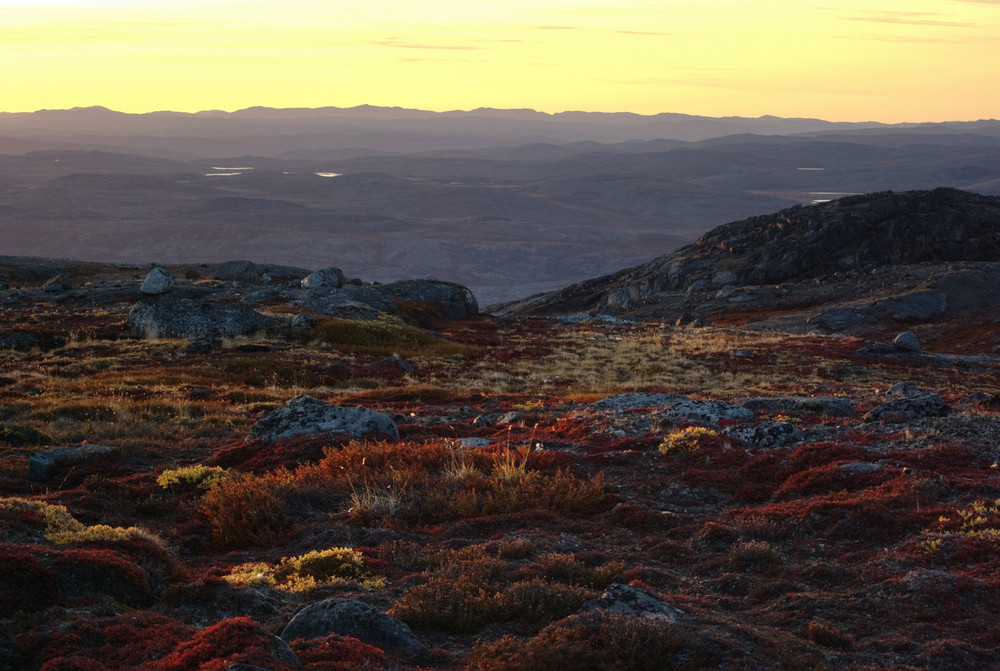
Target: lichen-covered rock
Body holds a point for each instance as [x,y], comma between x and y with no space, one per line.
[308,416]
[169,317]
[766,434]
[157,282]
[57,284]
[302,322]
[350,617]
[676,408]
[632,601]
[43,465]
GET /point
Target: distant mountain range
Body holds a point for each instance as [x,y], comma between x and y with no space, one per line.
[507,202]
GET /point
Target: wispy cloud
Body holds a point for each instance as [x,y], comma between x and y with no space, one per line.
[397,44]
[910,19]
[557,28]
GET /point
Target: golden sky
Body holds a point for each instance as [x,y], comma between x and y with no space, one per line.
[842,60]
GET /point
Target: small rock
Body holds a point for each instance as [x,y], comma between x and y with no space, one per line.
[57,284]
[157,282]
[237,271]
[350,617]
[908,403]
[303,322]
[325,278]
[305,415]
[907,341]
[474,442]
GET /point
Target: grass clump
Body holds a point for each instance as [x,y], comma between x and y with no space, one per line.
[307,572]
[384,337]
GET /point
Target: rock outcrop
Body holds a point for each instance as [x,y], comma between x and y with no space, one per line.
[157,282]
[308,416]
[859,263]
[170,317]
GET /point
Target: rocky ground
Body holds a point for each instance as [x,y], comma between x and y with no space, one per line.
[421,491]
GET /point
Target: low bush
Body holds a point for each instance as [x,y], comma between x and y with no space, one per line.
[309,571]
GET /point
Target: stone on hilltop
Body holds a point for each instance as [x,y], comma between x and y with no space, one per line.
[325,278]
[906,403]
[169,317]
[157,282]
[308,416]
[350,617]
[57,284]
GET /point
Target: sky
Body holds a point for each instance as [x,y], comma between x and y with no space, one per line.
[840,60]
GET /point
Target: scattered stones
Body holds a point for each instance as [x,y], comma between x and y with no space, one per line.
[44,465]
[474,442]
[766,434]
[169,317]
[633,601]
[824,406]
[325,278]
[907,341]
[350,617]
[157,282]
[308,416]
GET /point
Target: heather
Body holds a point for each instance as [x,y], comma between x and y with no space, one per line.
[780,499]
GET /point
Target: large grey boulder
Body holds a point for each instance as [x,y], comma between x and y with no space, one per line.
[308,416]
[634,401]
[325,278]
[908,341]
[44,465]
[157,282]
[350,617]
[349,302]
[170,317]
[449,300]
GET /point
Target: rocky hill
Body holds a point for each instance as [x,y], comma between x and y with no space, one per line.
[860,263]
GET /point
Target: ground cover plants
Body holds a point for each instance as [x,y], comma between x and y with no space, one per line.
[513,506]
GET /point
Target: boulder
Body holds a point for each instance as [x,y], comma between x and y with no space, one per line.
[237,271]
[349,302]
[44,465]
[308,416]
[303,322]
[157,282]
[350,617]
[171,317]
[906,403]
[705,412]
[766,434]
[632,601]
[325,278]
[907,341]
[57,284]
[450,301]
[915,306]
[633,401]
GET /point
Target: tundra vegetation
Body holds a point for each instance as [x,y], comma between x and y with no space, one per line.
[510,503]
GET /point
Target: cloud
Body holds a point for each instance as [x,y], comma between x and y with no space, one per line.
[557,28]
[910,19]
[397,44]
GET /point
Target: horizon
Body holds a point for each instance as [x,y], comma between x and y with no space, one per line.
[728,58]
[470,110]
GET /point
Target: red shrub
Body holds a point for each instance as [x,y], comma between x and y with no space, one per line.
[26,584]
[233,641]
[338,653]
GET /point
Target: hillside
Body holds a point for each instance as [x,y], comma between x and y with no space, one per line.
[224,467]
[924,260]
